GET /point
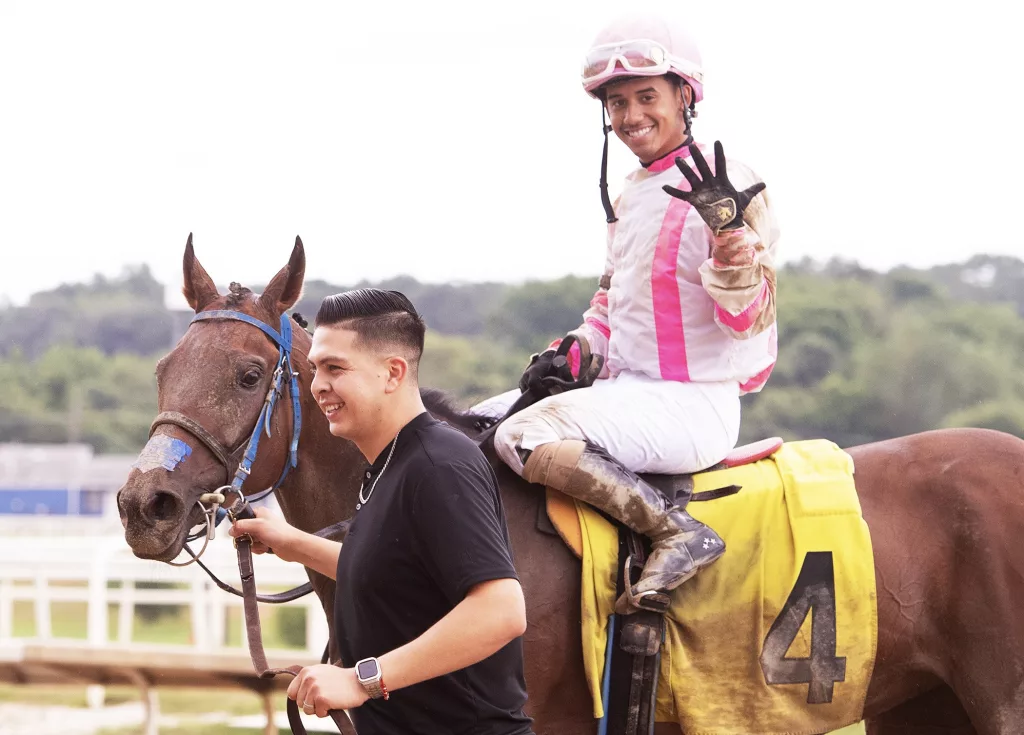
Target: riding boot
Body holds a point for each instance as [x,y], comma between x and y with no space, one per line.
[681,545]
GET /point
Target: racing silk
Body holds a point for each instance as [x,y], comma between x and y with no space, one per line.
[677,303]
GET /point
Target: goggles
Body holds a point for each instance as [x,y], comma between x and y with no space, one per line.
[643,56]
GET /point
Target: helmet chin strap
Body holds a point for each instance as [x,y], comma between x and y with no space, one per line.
[688,113]
[605,200]
[687,117]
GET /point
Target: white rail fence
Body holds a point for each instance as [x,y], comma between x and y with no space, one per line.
[101,570]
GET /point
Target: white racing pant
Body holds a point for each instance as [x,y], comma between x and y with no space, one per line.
[655,426]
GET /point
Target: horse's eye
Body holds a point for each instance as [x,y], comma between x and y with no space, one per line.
[250,378]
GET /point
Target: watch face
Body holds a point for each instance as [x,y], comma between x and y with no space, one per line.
[366,670]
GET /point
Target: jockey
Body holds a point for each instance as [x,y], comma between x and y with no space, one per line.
[684,316]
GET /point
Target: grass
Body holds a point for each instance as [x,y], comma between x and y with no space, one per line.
[182,701]
[43,695]
[283,628]
[174,701]
[186,704]
[198,728]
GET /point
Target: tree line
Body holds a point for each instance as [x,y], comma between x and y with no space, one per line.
[863,355]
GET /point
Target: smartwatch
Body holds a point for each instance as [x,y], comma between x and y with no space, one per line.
[369,675]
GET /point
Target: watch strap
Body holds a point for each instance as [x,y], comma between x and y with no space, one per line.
[375,687]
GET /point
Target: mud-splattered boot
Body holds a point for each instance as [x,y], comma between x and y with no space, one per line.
[681,545]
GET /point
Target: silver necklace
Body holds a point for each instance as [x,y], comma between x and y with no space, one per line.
[363,501]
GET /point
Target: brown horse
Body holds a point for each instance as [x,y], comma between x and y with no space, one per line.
[945,509]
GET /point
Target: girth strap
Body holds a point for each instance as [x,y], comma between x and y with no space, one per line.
[635,652]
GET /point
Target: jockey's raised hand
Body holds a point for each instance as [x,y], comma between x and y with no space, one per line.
[713,195]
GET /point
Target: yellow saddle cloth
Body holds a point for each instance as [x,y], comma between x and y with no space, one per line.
[778,636]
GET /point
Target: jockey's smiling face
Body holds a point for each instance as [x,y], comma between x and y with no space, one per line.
[647,114]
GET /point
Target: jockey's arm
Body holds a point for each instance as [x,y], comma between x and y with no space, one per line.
[740,274]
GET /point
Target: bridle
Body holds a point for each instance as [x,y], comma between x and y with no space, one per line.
[237,467]
[233,460]
[237,461]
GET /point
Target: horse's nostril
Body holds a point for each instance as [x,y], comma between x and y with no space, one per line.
[163,507]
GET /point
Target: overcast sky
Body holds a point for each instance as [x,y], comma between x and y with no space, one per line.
[453,142]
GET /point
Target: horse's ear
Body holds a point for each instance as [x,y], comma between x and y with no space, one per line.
[285,289]
[199,289]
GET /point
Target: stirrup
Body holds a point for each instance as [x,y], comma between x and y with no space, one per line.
[654,601]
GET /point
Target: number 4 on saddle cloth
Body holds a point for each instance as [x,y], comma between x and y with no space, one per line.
[776,637]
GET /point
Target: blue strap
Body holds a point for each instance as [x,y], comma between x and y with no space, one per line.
[283,340]
[239,316]
[293,384]
[296,414]
[286,334]
[606,677]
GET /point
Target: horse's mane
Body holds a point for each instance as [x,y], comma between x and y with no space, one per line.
[443,407]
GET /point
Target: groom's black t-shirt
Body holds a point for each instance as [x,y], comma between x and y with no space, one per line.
[433,528]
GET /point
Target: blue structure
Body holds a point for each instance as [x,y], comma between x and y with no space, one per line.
[59,479]
[35,501]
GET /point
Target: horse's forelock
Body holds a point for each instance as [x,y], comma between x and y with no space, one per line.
[237,296]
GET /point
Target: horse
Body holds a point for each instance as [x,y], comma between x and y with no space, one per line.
[945,510]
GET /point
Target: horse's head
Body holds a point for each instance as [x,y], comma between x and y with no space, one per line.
[211,390]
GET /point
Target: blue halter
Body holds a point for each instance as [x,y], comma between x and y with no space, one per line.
[283,340]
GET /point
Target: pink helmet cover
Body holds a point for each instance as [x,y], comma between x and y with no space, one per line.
[682,49]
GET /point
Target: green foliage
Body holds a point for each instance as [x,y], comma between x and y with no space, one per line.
[471,369]
[531,316]
[862,364]
[125,314]
[862,355]
[150,613]
[998,415]
[77,394]
[291,626]
[459,309]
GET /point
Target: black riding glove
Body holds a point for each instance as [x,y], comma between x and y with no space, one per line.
[541,366]
[713,195]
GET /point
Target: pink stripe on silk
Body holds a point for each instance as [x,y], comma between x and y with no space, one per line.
[745,319]
[758,380]
[600,299]
[668,161]
[573,358]
[600,327]
[668,312]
